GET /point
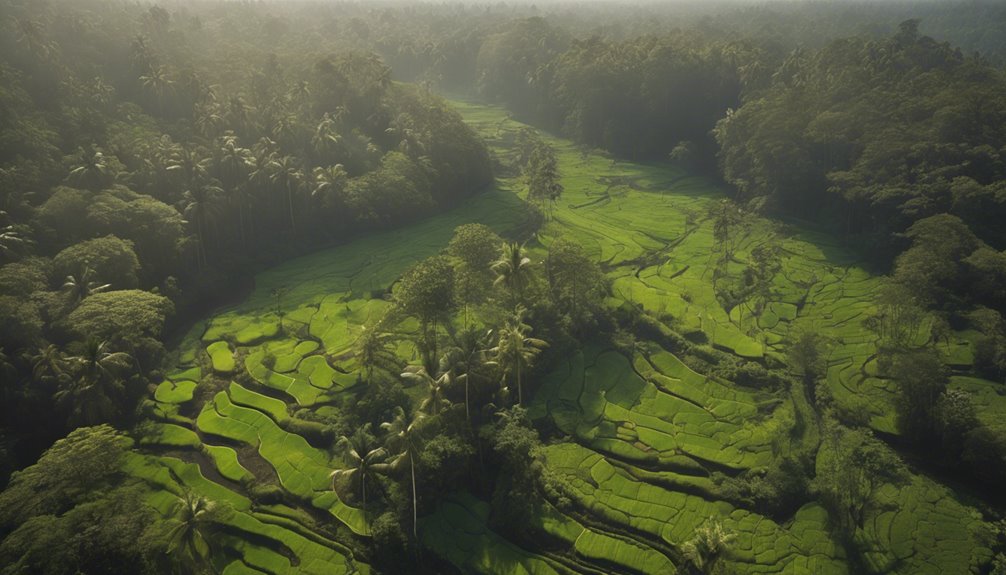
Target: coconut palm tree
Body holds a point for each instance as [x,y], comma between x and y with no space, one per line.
[78,287]
[300,94]
[404,440]
[210,120]
[94,384]
[49,364]
[10,241]
[436,387]
[190,168]
[515,350]
[329,182]
[159,84]
[202,206]
[287,175]
[513,269]
[188,540]
[94,359]
[261,164]
[374,349]
[326,140]
[705,549]
[231,161]
[469,354]
[363,461]
[31,34]
[92,171]
[236,114]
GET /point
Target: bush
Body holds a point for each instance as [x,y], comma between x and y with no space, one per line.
[267,494]
[317,434]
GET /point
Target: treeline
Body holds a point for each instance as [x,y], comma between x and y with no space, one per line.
[134,185]
[640,98]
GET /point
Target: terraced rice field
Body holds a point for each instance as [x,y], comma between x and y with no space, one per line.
[645,431]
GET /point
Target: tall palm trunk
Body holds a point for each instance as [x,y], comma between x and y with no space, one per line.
[468,415]
[520,390]
[289,196]
[415,513]
[241,224]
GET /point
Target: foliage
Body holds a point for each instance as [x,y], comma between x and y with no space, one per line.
[125,315]
[922,379]
[849,472]
[75,469]
[711,542]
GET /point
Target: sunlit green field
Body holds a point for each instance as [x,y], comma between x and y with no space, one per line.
[645,432]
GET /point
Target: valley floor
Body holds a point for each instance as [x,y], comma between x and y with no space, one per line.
[645,432]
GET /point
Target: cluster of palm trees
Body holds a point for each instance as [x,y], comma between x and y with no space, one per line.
[89,377]
[475,357]
[251,163]
[231,193]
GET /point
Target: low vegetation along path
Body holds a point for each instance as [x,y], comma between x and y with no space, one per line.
[650,440]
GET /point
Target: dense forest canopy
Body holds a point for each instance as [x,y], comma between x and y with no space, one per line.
[556,288]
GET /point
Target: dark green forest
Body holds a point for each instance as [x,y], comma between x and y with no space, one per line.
[320,287]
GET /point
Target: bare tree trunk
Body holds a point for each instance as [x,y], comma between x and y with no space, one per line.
[415,519]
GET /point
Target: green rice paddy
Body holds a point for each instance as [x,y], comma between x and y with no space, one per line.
[646,432]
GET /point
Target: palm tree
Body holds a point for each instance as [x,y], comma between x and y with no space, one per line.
[404,440]
[515,350]
[158,83]
[261,164]
[49,364]
[94,359]
[708,545]
[360,466]
[436,386]
[94,384]
[287,130]
[409,141]
[374,349]
[78,287]
[287,175]
[92,171]
[469,351]
[188,540]
[10,241]
[325,141]
[32,35]
[143,58]
[210,119]
[513,269]
[232,161]
[236,114]
[329,182]
[300,94]
[192,169]
[201,206]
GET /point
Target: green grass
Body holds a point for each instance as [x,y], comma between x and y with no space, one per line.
[221,356]
[175,392]
[226,461]
[168,435]
[673,417]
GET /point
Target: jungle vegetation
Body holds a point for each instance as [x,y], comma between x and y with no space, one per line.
[317,287]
